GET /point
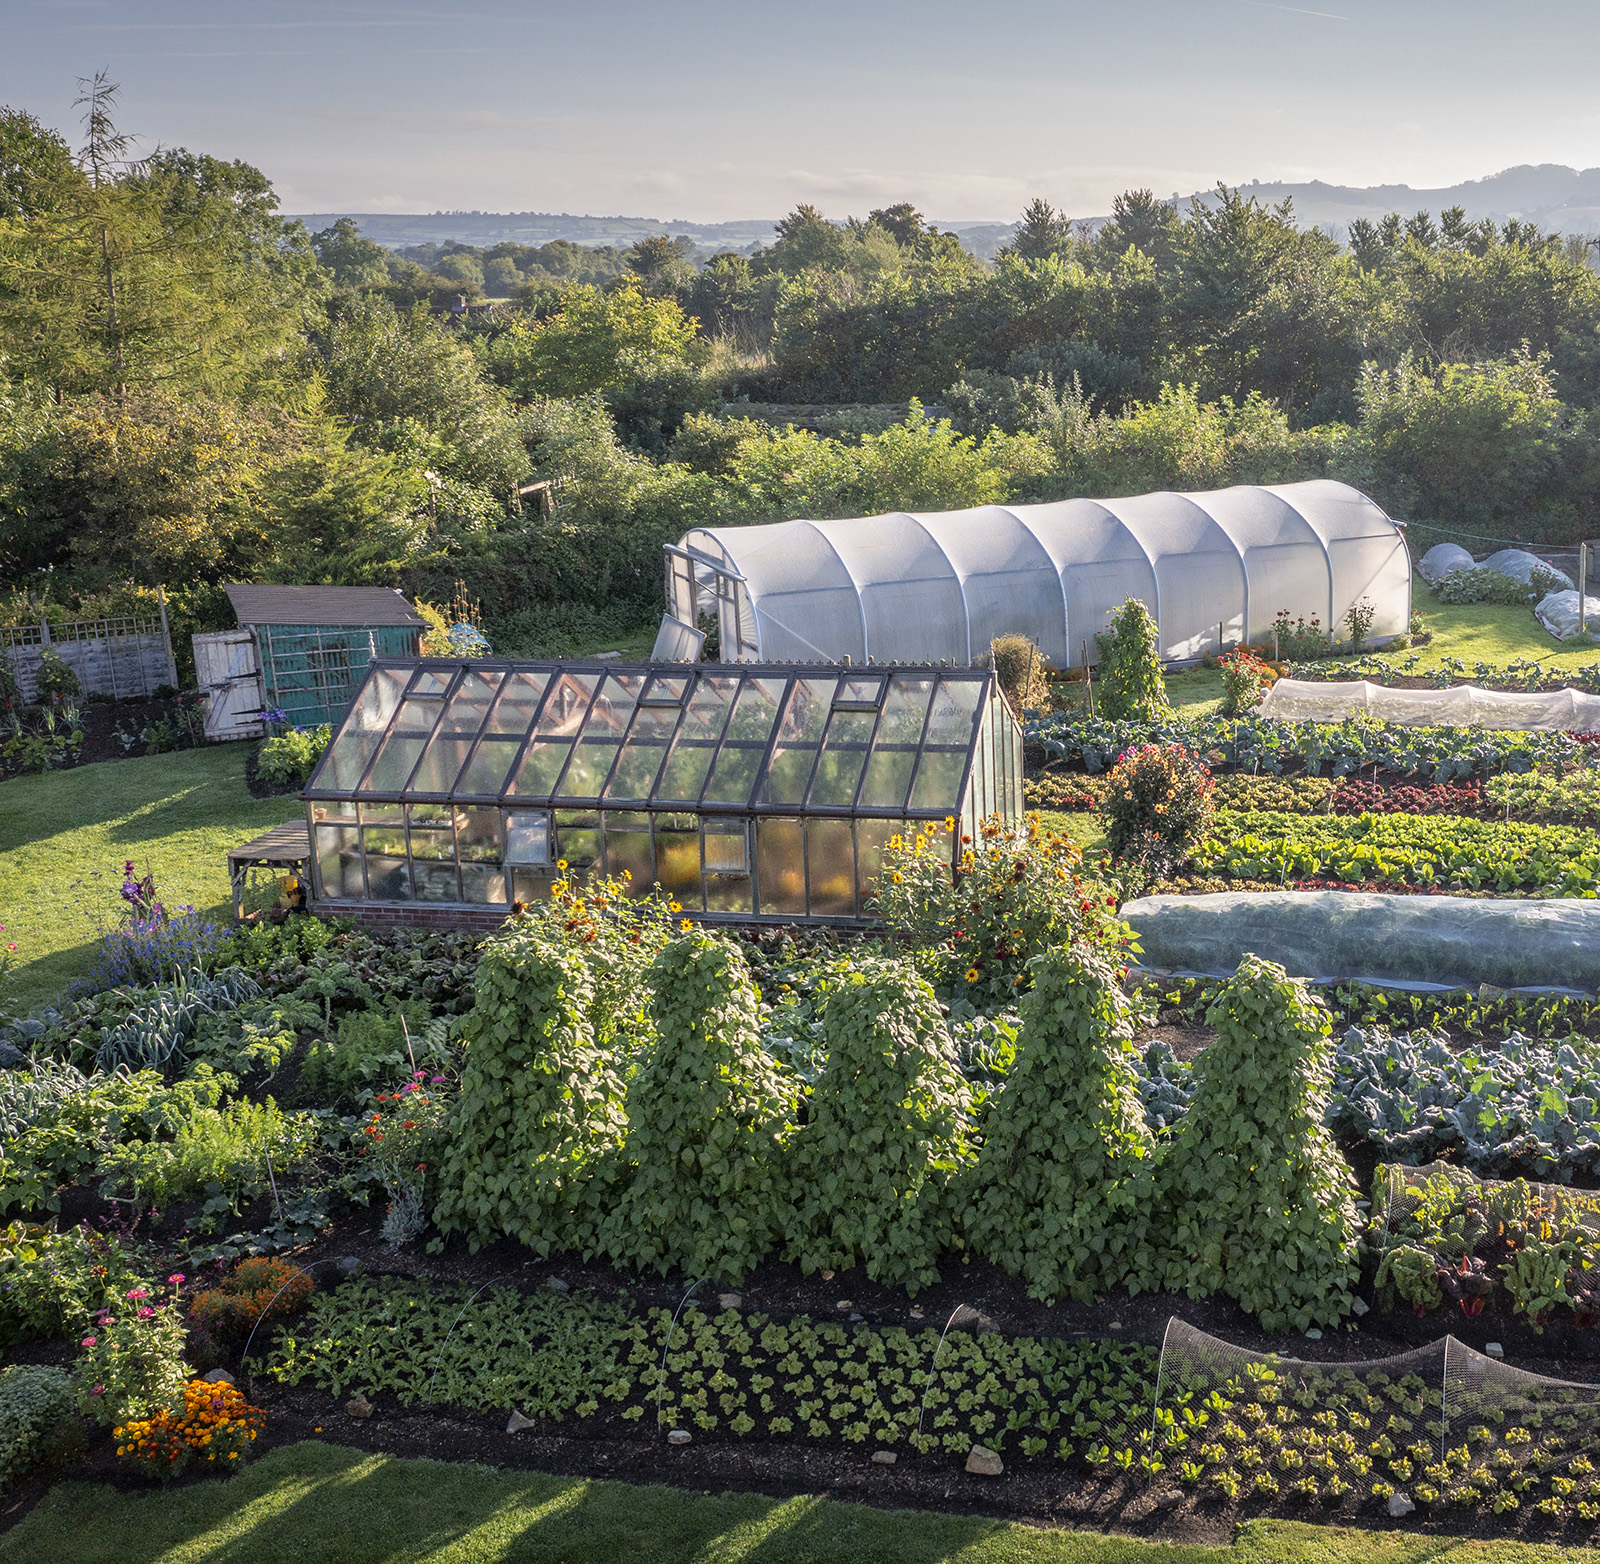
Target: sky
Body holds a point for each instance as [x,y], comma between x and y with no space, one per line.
[713,110]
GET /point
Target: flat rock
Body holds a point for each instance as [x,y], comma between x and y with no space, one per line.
[555,1284]
[358,1406]
[1360,1307]
[679,1436]
[348,1266]
[1169,1500]
[1400,1504]
[984,1462]
[1313,1334]
[219,1377]
[844,1305]
[1494,1349]
[884,1458]
[827,1276]
[730,1300]
[518,1422]
[917,1311]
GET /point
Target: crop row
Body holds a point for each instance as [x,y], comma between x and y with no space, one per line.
[1333,749]
[1428,851]
[1521,673]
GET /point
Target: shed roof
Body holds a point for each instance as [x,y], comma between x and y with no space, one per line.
[322,605]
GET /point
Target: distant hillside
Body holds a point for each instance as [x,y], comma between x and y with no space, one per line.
[1550,194]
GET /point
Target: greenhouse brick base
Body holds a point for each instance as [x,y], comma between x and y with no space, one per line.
[476,920]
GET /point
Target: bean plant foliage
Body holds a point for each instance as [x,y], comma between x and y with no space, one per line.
[888,1131]
[540,1108]
[1261,1206]
[710,1116]
[1062,1191]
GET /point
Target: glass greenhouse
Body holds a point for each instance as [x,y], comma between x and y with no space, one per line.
[1214,568]
[761,791]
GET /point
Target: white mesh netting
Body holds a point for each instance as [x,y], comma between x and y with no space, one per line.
[1558,613]
[1463,706]
[1441,559]
[1444,1424]
[1410,941]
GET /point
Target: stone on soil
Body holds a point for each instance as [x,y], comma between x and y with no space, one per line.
[983,1462]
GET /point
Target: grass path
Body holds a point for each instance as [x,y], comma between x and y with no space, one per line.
[65,835]
[320,1504]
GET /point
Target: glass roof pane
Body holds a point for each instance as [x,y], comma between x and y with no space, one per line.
[565,708]
[440,765]
[540,768]
[519,701]
[432,681]
[486,771]
[939,779]
[953,710]
[375,705]
[466,708]
[665,691]
[392,768]
[844,753]
[755,713]
[799,734]
[418,713]
[602,737]
[703,721]
[861,691]
[641,758]
[894,749]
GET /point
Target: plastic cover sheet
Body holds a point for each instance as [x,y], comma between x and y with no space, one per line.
[1441,559]
[1520,565]
[1431,942]
[1558,613]
[1463,706]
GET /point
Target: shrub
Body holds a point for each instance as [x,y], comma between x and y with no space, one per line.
[1019,668]
[540,1108]
[1257,1201]
[888,1129]
[1159,796]
[209,1423]
[1483,586]
[292,756]
[257,1288]
[709,1118]
[1013,893]
[52,1283]
[400,1143]
[132,1364]
[1130,688]
[37,1417]
[1358,621]
[1245,679]
[57,682]
[1062,1189]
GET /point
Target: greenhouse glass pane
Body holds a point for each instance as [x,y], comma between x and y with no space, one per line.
[939,779]
[781,865]
[385,841]
[727,846]
[357,741]
[567,704]
[635,775]
[754,715]
[435,881]
[482,883]
[530,885]
[862,691]
[597,748]
[628,854]
[666,690]
[894,747]
[578,839]
[799,734]
[586,775]
[728,893]
[872,836]
[383,814]
[519,704]
[540,768]
[486,771]
[696,745]
[417,714]
[432,681]
[478,835]
[440,765]
[831,868]
[954,707]
[527,836]
[339,862]
[844,753]
[393,766]
[466,709]
[388,879]
[677,845]
[432,845]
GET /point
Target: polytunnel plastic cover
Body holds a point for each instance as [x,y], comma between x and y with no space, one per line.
[1460,706]
[1332,936]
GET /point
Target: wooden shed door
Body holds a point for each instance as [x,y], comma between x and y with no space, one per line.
[229,673]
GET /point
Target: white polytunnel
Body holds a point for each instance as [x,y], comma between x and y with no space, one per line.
[1215,568]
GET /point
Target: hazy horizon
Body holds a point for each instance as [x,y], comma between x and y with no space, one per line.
[712,112]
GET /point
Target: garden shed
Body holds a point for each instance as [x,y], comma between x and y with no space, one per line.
[1214,568]
[767,792]
[300,650]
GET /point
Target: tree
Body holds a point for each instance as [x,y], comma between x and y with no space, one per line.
[805,239]
[37,170]
[1141,222]
[661,265]
[356,262]
[1131,689]
[1042,232]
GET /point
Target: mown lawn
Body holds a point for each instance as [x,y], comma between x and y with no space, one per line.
[320,1504]
[64,837]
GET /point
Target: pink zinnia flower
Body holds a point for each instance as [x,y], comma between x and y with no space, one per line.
[147,1313]
[176,1278]
[438,1080]
[99,1390]
[89,1341]
[137,1292]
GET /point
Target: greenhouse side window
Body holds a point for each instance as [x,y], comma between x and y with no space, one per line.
[528,837]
